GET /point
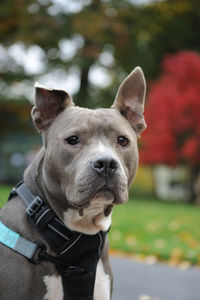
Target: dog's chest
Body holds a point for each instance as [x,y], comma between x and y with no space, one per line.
[54,289]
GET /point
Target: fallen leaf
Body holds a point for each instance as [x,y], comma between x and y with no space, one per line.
[131,240]
[185,265]
[116,235]
[151,260]
[160,243]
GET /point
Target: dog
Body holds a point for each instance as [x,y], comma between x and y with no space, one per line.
[85,167]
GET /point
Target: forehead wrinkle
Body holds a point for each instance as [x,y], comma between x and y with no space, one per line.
[72,119]
[92,122]
[110,126]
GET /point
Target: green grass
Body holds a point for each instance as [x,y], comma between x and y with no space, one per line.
[169,231]
[4,192]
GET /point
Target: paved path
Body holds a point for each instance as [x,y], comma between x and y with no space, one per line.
[132,279]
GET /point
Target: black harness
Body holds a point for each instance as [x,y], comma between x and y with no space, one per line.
[76,254]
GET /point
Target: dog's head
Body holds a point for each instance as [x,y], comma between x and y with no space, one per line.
[91,154]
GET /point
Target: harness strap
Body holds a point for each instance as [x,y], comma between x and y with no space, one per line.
[43,218]
[77,254]
[17,243]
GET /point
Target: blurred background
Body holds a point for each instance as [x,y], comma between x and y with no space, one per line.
[87,48]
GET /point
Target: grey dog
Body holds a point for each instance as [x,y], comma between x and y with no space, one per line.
[87,163]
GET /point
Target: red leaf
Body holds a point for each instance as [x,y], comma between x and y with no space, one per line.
[173,113]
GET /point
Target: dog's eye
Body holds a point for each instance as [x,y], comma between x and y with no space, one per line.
[122,140]
[73,140]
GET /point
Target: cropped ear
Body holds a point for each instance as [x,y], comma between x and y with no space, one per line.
[130,99]
[48,104]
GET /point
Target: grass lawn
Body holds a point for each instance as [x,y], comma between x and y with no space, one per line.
[169,231]
[4,192]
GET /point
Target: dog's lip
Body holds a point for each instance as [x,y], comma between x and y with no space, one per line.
[103,193]
[83,204]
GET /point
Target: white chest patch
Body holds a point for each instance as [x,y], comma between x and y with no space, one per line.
[93,219]
[101,290]
[102,284]
[54,288]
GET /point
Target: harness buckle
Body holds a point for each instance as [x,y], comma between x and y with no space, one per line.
[37,256]
[64,268]
[73,270]
[34,206]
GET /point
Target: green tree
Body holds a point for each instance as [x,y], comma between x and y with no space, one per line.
[131,34]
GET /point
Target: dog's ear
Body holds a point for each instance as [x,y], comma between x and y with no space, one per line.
[130,99]
[48,104]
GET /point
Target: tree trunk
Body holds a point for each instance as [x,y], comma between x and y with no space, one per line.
[82,95]
[88,55]
[194,185]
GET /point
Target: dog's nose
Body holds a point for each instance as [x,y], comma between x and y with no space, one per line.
[104,165]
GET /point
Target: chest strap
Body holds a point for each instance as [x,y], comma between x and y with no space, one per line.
[17,243]
[76,254]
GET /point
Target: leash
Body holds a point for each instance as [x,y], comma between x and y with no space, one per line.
[76,254]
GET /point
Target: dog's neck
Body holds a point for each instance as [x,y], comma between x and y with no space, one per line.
[32,175]
[34,179]
[89,220]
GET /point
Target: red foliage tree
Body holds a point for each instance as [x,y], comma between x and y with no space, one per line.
[173,114]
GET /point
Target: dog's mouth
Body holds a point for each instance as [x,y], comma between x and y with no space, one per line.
[102,195]
[105,194]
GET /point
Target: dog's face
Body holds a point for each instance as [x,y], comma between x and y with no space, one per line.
[91,154]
